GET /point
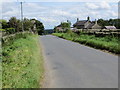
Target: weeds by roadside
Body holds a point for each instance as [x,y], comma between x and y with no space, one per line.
[22,63]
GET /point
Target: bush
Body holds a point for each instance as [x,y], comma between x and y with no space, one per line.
[2,29]
[10,30]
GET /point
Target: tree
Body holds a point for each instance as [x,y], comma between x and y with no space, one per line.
[65,25]
[15,23]
[110,22]
[115,22]
[4,24]
[18,26]
[55,29]
[102,22]
[39,27]
[27,24]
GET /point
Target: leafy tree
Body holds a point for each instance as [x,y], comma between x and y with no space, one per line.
[65,25]
[3,24]
[39,27]
[15,23]
[111,22]
[55,29]
[27,24]
[116,23]
[103,23]
[19,26]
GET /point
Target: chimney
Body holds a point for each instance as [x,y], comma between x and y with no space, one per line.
[95,21]
[88,18]
[77,19]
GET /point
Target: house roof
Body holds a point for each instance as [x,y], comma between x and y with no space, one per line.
[90,25]
[82,22]
[110,27]
[59,26]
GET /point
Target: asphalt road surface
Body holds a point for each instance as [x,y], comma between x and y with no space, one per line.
[72,65]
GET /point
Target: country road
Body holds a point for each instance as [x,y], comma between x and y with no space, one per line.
[72,65]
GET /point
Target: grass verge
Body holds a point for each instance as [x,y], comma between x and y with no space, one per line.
[108,43]
[22,63]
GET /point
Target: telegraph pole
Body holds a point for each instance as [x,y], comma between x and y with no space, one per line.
[22,16]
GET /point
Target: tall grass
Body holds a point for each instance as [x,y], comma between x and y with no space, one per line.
[22,63]
[108,43]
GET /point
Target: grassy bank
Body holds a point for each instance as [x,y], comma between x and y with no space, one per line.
[22,63]
[108,43]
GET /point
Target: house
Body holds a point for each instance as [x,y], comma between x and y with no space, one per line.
[110,27]
[59,27]
[94,25]
[81,24]
[63,26]
[86,24]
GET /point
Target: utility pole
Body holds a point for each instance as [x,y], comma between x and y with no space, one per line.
[22,16]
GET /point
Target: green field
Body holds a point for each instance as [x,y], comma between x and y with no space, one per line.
[22,63]
[109,43]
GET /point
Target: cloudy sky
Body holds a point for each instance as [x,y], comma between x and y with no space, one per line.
[52,13]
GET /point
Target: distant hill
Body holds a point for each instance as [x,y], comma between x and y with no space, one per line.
[48,31]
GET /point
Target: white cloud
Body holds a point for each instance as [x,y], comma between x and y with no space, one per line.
[10,11]
[101,6]
[67,14]
[33,5]
[112,13]
[104,5]
[7,0]
[92,6]
[61,13]
[48,19]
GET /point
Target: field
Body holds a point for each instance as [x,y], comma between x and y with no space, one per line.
[22,63]
[108,43]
